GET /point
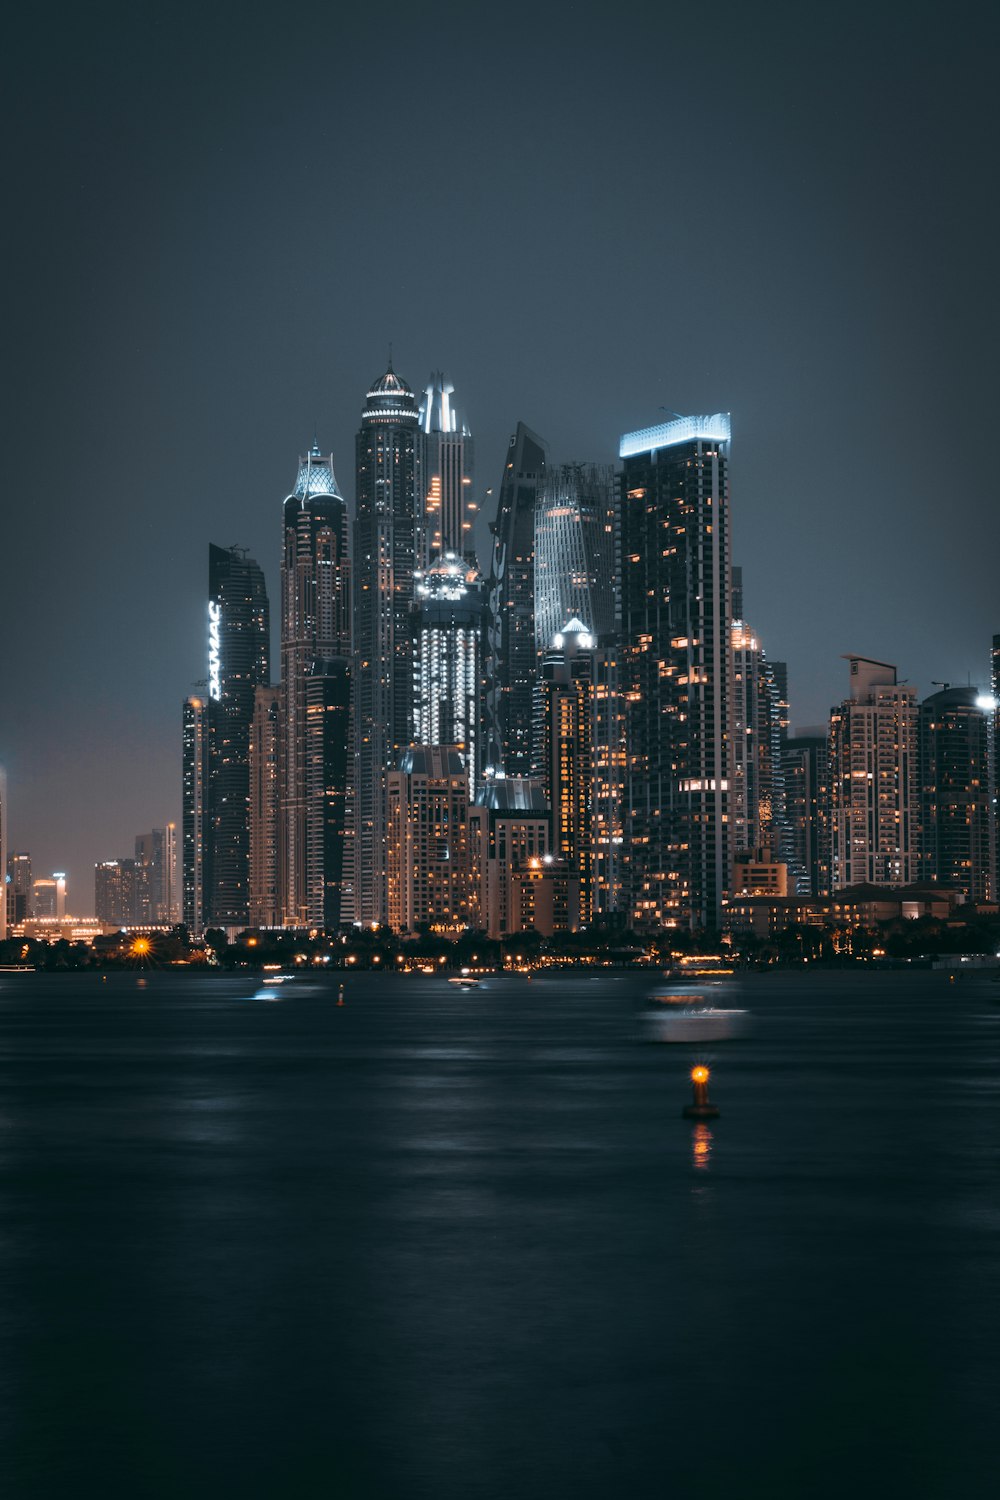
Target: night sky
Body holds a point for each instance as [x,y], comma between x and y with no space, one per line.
[218,219]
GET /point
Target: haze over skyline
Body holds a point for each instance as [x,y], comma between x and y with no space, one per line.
[223,220]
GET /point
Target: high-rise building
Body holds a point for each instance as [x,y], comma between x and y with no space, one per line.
[806,775]
[676,666]
[568,674]
[19,907]
[757,813]
[156,851]
[428,865]
[328,760]
[196,844]
[390,493]
[3,855]
[874,780]
[265,809]
[48,897]
[448,628]
[955,780]
[610,766]
[509,826]
[315,651]
[239,636]
[575,537]
[448,505]
[511,651]
[121,892]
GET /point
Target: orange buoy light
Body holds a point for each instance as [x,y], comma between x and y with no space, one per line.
[701,1106]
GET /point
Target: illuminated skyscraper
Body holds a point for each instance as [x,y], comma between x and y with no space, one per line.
[956,813]
[448,624]
[390,490]
[806,767]
[757,806]
[874,780]
[315,653]
[676,670]
[196,848]
[511,652]
[575,551]
[428,861]
[239,652]
[448,504]
[568,680]
[157,852]
[3,854]
[265,809]
[509,828]
[19,907]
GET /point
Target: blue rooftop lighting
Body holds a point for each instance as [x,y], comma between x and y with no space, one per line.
[714,429]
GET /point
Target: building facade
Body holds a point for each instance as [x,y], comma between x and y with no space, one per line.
[315,637]
[568,681]
[387,536]
[676,670]
[509,826]
[874,780]
[575,539]
[449,614]
[239,650]
[19,907]
[511,649]
[957,815]
[428,864]
[449,508]
[266,908]
[806,776]
[195,844]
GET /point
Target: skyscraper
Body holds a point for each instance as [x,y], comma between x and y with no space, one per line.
[448,625]
[3,853]
[575,551]
[955,778]
[675,666]
[448,505]
[806,767]
[19,906]
[757,808]
[428,862]
[195,842]
[121,892]
[265,809]
[568,673]
[874,780]
[390,490]
[239,651]
[511,652]
[156,852]
[315,651]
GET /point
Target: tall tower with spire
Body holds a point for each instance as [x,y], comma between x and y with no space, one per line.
[315,688]
[448,505]
[390,490]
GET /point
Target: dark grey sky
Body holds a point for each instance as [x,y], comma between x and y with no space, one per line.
[218,218]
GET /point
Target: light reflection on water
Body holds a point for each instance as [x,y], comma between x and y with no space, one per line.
[415,1246]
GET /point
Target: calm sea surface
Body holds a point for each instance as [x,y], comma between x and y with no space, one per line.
[440,1244]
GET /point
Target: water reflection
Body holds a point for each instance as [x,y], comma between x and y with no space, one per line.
[701,1147]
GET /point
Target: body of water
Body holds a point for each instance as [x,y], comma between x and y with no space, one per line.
[431,1243]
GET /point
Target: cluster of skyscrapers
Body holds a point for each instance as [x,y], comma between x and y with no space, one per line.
[591,731]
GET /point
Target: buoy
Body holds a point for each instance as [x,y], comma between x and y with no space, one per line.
[340,995]
[701,1107]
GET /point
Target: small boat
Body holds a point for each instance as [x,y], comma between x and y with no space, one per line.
[694,1023]
[465,982]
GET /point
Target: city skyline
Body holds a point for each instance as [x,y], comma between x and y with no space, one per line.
[183,341]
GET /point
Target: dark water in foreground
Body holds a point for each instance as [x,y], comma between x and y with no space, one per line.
[435,1244]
